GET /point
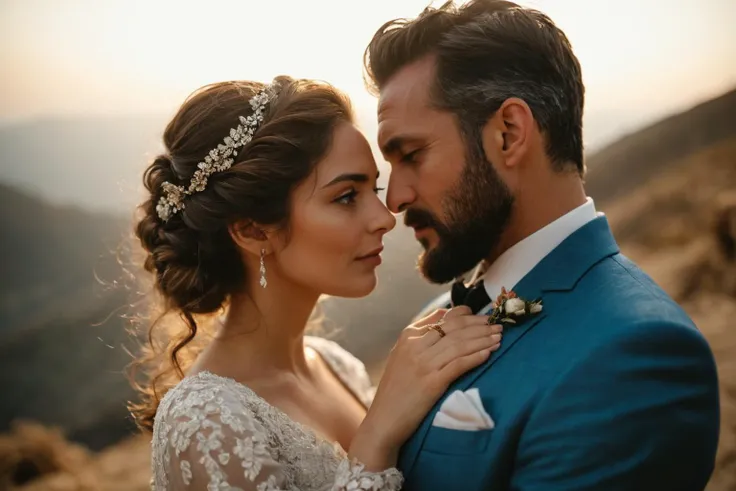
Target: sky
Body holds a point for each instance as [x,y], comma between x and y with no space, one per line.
[66,58]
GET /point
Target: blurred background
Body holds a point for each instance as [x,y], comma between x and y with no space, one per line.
[88,86]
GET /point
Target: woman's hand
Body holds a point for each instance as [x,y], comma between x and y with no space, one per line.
[420,368]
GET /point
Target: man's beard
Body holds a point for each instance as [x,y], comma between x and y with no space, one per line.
[477,212]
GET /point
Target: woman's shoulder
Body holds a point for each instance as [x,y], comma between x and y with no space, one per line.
[209,429]
[335,353]
[346,365]
[202,395]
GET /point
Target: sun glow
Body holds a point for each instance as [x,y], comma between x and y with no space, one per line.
[81,57]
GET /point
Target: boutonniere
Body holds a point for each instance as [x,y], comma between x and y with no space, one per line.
[511,309]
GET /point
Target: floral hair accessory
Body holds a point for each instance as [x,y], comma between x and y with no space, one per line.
[218,159]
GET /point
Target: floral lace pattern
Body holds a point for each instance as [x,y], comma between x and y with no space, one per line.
[214,433]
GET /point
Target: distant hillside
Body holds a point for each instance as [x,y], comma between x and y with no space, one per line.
[629,162]
[50,252]
[61,333]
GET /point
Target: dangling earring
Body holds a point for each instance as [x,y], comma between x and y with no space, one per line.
[264,283]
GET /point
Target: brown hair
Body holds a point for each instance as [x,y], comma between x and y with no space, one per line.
[487,51]
[195,263]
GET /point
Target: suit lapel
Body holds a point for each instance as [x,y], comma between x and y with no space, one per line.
[558,271]
[510,336]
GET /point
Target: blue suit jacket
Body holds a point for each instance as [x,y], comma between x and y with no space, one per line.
[611,387]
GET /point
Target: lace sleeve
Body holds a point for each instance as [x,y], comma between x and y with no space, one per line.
[215,445]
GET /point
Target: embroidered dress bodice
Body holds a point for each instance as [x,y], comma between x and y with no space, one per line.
[215,433]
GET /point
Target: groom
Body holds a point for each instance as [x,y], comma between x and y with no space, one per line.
[610,386]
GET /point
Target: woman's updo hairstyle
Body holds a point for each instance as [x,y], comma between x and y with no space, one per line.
[193,258]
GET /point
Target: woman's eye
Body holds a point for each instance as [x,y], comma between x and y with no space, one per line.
[347,198]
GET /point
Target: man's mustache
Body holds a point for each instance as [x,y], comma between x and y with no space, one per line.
[418,218]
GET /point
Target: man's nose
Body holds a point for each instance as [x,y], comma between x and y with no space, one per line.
[399,194]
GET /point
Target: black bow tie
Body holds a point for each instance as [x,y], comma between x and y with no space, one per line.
[474,297]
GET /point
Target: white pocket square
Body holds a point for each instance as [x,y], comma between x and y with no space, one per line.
[463,411]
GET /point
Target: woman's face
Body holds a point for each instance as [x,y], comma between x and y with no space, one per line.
[337,222]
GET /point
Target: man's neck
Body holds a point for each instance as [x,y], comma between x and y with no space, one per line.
[536,207]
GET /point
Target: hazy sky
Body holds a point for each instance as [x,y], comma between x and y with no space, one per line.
[641,59]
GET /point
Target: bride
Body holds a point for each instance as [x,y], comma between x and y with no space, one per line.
[264,200]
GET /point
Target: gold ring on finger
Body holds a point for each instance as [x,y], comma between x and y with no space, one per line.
[438,328]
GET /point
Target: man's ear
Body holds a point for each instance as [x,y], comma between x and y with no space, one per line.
[507,134]
[250,237]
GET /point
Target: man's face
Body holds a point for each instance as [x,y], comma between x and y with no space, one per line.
[452,197]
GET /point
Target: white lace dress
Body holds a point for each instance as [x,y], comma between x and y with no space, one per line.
[214,433]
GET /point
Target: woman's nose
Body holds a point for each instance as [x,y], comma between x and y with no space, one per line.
[383,219]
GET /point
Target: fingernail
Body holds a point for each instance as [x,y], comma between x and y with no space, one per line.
[496,337]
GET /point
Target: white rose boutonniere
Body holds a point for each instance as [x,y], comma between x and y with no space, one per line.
[515,307]
[509,308]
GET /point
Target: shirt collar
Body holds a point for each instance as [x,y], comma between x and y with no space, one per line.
[521,258]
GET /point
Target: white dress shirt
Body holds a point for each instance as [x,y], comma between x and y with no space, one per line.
[521,258]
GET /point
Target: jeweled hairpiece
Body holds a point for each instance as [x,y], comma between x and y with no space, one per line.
[219,159]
